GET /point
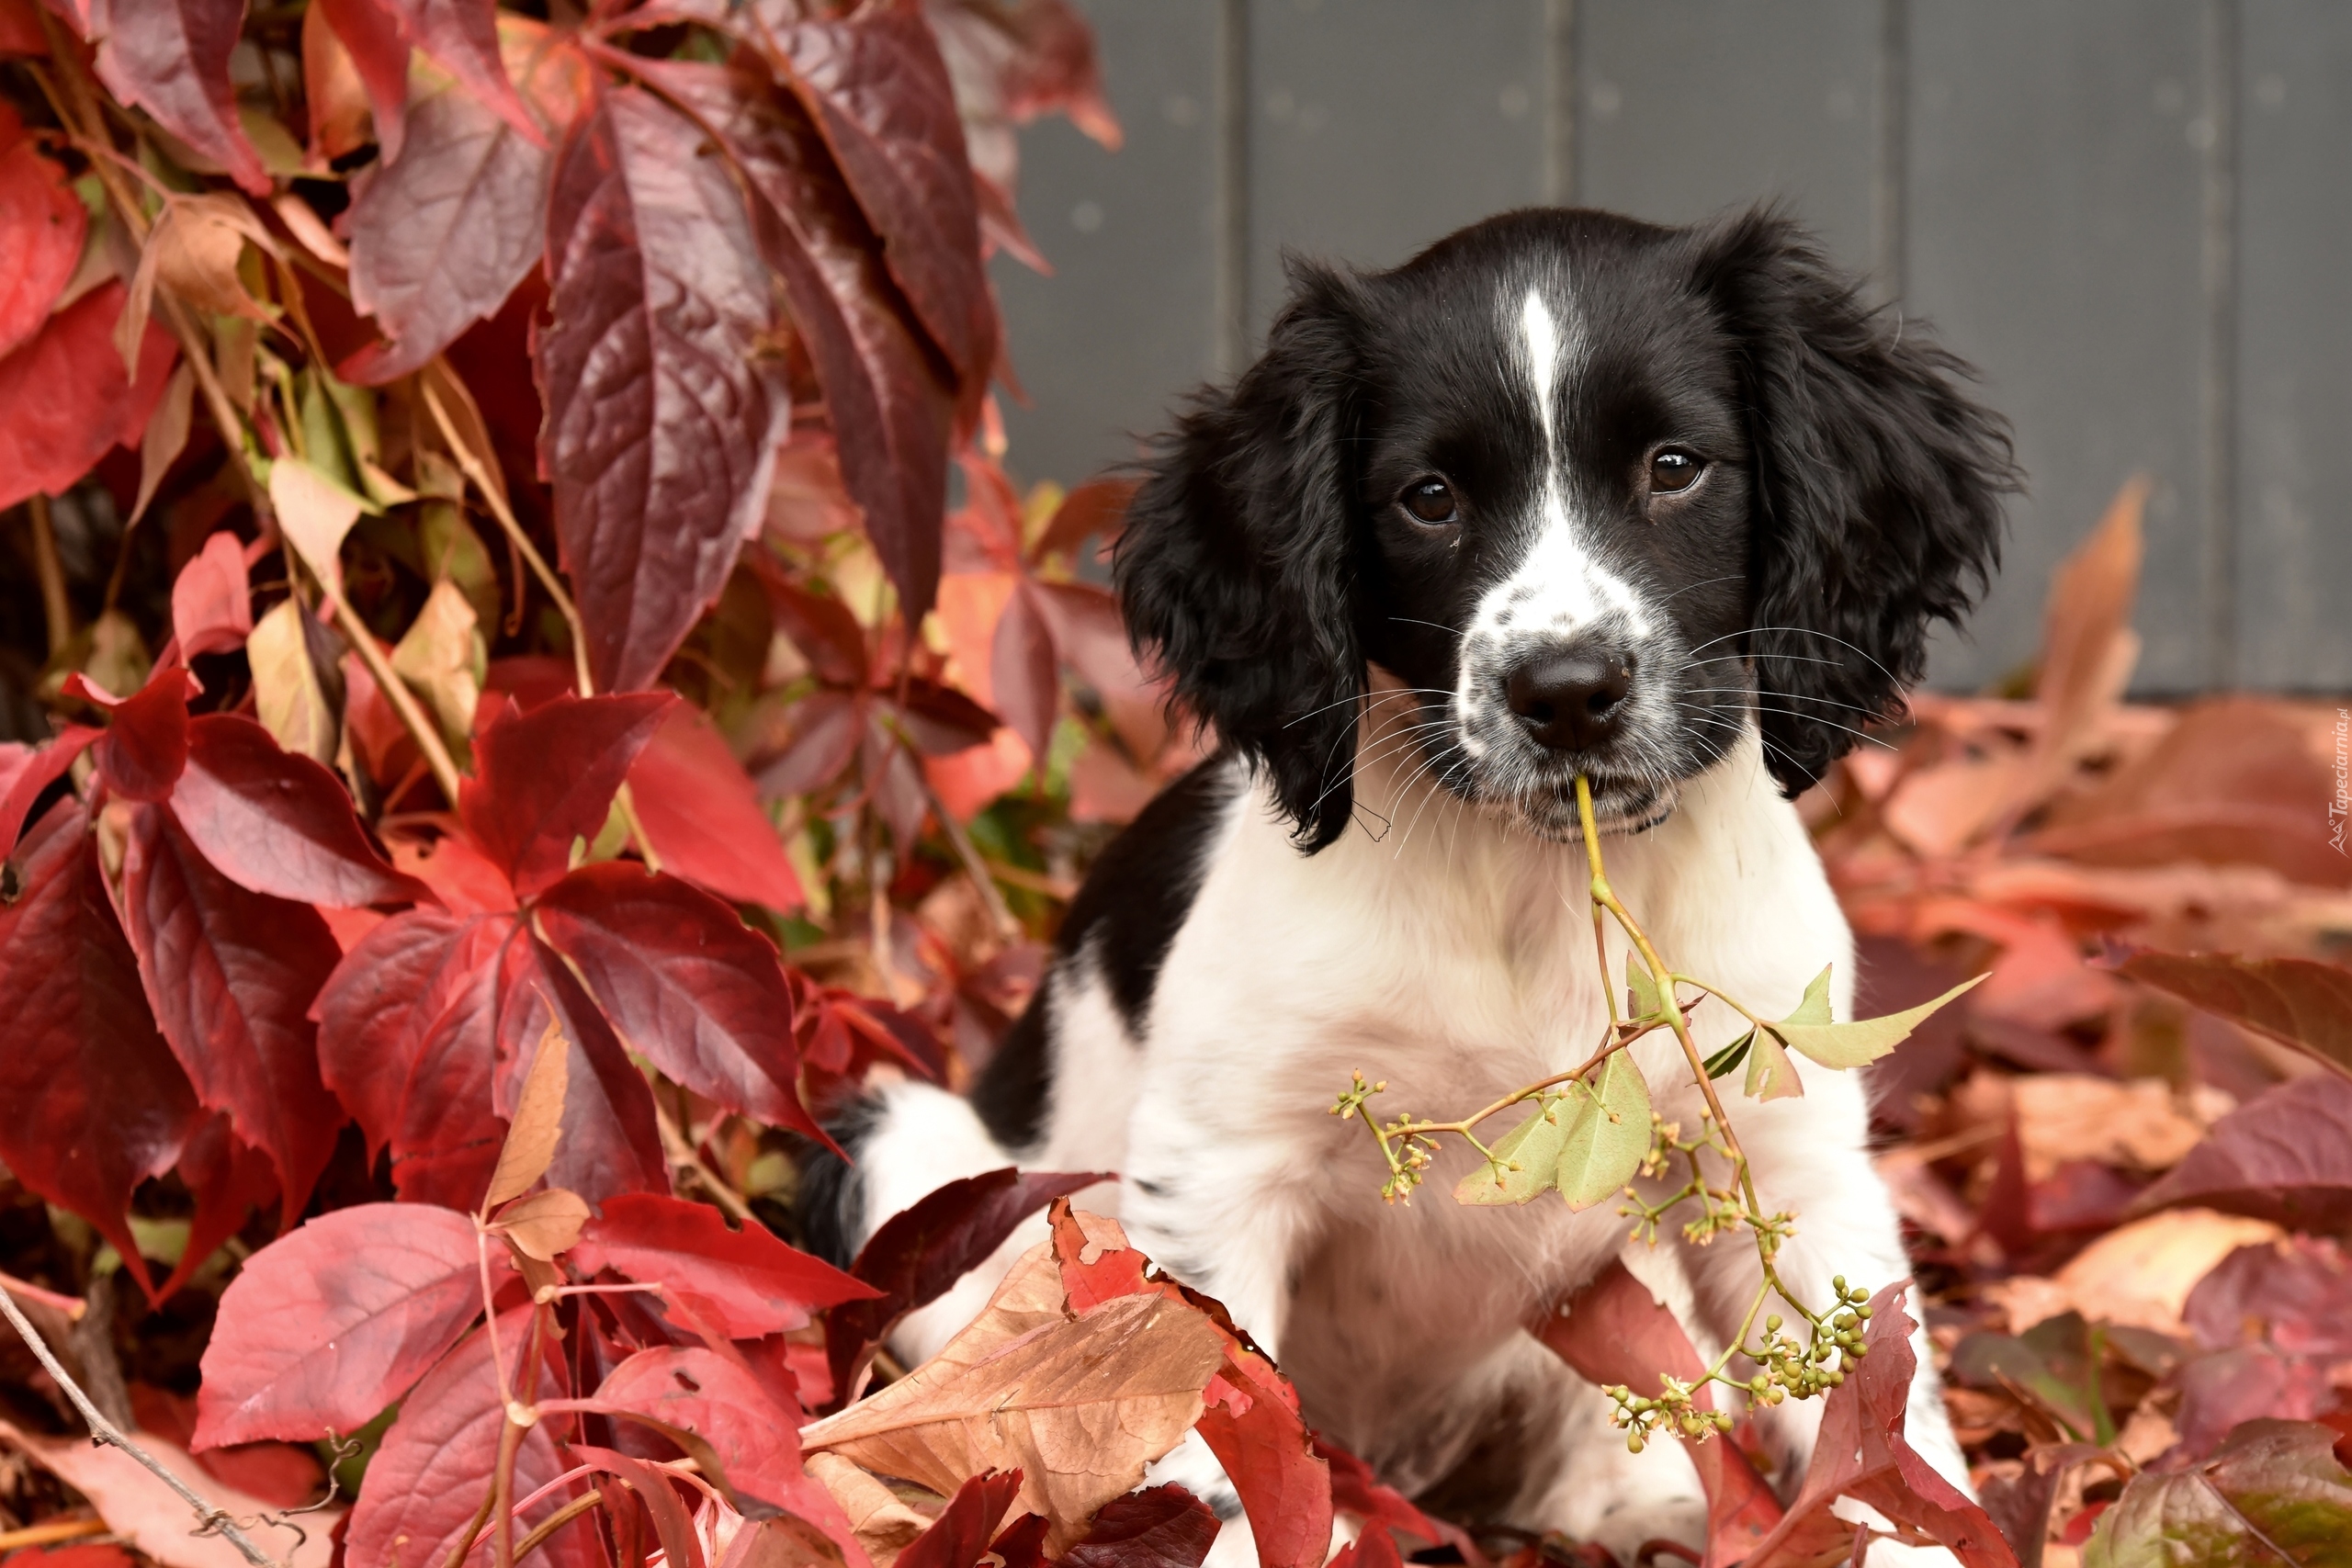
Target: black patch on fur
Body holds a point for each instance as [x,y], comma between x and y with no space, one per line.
[1878,489]
[1492,1473]
[1127,914]
[829,1199]
[1238,561]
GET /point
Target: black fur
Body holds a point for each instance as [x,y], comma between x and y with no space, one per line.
[1878,489]
[829,1199]
[1133,902]
[1238,560]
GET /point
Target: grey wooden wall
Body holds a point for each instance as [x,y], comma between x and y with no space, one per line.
[2135,216]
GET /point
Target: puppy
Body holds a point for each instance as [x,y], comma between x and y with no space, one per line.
[1565,494]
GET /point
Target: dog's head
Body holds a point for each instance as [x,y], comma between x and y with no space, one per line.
[1600,495]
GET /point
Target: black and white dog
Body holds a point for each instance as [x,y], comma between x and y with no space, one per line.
[1565,493]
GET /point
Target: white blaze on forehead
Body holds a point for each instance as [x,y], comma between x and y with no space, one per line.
[1541,338]
[1556,588]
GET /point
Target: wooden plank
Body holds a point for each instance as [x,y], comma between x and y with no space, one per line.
[1690,107]
[2055,201]
[2294,558]
[1107,343]
[1378,126]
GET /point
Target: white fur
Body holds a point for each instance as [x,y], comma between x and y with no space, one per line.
[1451,956]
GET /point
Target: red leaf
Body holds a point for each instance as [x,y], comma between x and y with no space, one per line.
[681,1546]
[91,1101]
[463,36]
[1355,1490]
[1024,676]
[888,399]
[754,1283]
[684,984]
[2284,1155]
[277,1474]
[700,808]
[231,976]
[1157,1527]
[921,1251]
[2295,1296]
[1095,510]
[663,416]
[715,1398]
[212,606]
[823,628]
[2293,1001]
[443,234]
[372,36]
[826,730]
[407,1029]
[172,59]
[1860,1453]
[278,822]
[880,93]
[228,1177]
[547,777]
[436,1464]
[20,34]
[961,1533]
[326,1326]
[145,745]
[611,1143]
[42,226]
[1023,1542]
[1614,1331]
[64,398]
[1251,1423]
[43,769]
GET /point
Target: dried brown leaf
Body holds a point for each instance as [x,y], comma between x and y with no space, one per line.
[1080,1407]
[537,1120]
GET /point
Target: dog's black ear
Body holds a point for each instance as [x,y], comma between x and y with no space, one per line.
[1235,568]
[1878,488]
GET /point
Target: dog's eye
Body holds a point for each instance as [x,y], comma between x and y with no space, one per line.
[1430,500]
[1673,470]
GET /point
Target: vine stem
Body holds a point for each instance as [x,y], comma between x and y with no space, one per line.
[1606,897]
[215,1519]
[470,464]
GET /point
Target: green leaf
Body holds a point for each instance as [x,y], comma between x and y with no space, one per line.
[1607,1135]
[1771,1074]
[1808,1029]
[1642,990]
[1730,1057]
[1534,1146]
[2273,1489]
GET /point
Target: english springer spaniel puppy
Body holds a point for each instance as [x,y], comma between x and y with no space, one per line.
[1565,493]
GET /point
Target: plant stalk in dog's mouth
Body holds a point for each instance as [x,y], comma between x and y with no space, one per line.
[1593,1132]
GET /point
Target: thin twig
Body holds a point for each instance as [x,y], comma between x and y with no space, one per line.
[214,1521]
[556,1521]
[479,477]
[683,1156]
[56,609]
[71,1306]
[55,1530]
[975,867]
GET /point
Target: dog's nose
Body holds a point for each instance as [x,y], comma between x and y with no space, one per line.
[1571,698]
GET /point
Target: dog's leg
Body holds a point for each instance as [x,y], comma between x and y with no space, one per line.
[1809,1158]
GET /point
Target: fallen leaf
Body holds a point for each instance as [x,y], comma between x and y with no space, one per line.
[2141,1275]
[2285,1155]
[2274,1491]
[2292,1000]
[1079,1406]
[137,1506]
